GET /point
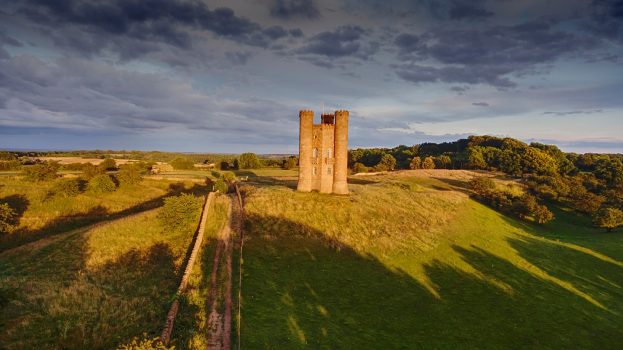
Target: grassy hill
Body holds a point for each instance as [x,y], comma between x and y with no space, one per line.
[410,261]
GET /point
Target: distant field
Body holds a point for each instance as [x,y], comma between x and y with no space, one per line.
[73,160]
[42,215]
[94,288]
[408,260]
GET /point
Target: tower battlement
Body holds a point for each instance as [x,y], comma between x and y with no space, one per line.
[323,152]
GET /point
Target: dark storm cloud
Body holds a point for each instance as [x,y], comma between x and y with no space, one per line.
[563,113]
[458,9]
[325,49]
[607,18]
[287,9]
[484,54]
[155,29]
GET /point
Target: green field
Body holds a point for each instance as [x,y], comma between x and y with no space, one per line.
[412,262]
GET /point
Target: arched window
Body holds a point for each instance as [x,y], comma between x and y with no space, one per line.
[329,171]
[315,152]
[329,153]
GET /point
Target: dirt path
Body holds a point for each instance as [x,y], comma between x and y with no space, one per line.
[220,298]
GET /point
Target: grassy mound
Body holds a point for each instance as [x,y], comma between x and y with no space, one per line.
[410,261]
[94,288]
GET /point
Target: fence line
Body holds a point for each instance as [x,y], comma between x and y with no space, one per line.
[165,337]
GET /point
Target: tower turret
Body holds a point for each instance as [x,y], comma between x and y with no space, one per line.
[340,184]
[305,150]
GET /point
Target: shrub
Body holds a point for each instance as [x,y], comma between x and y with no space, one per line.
[129,175]
[360,168]
[608,218]
[144,344]
[66,188]
[178,211]
[182,164]
[543,215]
[221,186]
[482,185]
[10,165]
[89,171]
[101,184]
[41,172]
[249,161]
[108,164]
[8,218]
[228,176]
[290,163]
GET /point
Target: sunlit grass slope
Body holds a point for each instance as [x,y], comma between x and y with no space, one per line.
[410,262]
[92,289]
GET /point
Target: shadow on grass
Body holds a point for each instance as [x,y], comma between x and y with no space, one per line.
[53,300]
[93,216]
[304,291]
[17,202]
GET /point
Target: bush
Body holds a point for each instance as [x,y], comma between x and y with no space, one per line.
[144,344]
[482,185]
[182,164]
[129,175]
[249,161]
[8,218]
[101,184]
[41,172]
[360,168]
[89,171]
[108,164]
[228,176]
[178,211]
[10,165]
[66,188]
[290,163]
[608,218]
[543,215]
[221,186]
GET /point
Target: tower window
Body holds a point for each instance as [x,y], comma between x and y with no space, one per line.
[329,171]
[329,153]
[314,171]
[315,152]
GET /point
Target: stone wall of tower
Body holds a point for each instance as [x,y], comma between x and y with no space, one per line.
[340,183]
[306,119]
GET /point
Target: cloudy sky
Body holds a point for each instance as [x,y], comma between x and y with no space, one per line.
[231,75]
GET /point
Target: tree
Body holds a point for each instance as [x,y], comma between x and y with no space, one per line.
[41,172]
[108,164]
[428,163]
[535,161]
[608,218]
[221,186]
[101,184]
[387,163]
[228,176]
[129,174]
[182,164]
[443,162]
[249,161]
[416,163]
[290,163]
[8,218]
[475,158]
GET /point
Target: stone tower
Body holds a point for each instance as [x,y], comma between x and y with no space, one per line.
[323,153]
